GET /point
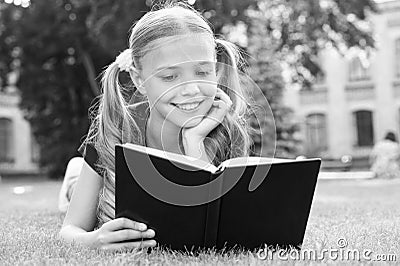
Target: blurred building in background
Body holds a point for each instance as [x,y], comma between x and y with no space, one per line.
[356,101]
[19,153]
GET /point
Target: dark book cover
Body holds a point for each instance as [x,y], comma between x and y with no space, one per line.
[274,213]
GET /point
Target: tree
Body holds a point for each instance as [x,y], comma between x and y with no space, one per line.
[223,12]
[59,48]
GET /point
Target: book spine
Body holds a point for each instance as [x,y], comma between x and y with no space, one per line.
[213,214]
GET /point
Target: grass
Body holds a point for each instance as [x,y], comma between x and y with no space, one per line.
[364,212]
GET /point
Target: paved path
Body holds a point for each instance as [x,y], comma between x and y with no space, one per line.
[29,194]
[346,175]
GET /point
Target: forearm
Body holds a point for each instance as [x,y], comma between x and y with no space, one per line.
[71,233]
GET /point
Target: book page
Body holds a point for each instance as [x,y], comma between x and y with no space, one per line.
[174,157]
[255,160]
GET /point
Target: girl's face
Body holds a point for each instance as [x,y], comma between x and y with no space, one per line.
[179,79]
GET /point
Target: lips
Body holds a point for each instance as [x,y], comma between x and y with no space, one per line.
[187,106]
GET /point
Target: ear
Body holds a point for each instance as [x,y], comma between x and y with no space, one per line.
[137,79]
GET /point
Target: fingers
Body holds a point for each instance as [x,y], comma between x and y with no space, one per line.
[130,245]
[124,223]
[218,112]
[110,234]
[224,97]
[221,104]
[127,234]
[222,107]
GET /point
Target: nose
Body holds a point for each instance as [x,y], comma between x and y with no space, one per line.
[190,88]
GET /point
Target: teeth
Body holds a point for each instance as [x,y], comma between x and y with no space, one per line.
[189,106]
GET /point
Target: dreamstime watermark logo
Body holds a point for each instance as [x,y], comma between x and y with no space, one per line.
[154,181]
[341,253]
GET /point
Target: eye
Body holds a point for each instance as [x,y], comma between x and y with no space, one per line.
[203,73]
[168,77]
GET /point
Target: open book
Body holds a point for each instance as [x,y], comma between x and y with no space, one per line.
[244,202]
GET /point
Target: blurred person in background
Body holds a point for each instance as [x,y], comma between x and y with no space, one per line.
[384,157]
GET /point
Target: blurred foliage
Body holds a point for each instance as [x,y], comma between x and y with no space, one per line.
[302,28]
[223,12]
[266,72]
[60,47]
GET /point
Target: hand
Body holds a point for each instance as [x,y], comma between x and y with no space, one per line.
[219,109]
[110,234]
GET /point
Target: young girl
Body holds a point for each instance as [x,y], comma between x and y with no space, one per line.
[174,62]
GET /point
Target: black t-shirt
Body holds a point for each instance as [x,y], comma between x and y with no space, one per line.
[89,152]
[90,155]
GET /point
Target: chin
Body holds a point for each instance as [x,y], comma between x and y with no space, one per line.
[192,123]
[183,122]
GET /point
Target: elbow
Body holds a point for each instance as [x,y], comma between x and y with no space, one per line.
[66,233]
[62,234]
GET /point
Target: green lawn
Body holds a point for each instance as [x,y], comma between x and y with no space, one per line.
[366,213]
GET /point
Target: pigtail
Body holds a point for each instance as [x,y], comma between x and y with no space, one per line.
[231,138]
[229,58]
[115,125]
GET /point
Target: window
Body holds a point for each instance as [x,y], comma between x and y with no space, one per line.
[316,134]
[364,127]
[35,150]
[6,140]
[397,57]
[358,71]
[320,78]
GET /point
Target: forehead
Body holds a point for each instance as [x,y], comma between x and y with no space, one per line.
[179,51]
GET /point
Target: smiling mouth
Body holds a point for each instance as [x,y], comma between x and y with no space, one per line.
[187,106]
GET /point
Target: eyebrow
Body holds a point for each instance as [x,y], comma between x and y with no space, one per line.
[175,67]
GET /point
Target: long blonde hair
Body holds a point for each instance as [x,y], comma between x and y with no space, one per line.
[228,140]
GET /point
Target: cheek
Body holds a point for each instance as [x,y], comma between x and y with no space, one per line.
[209,90]
[157,94]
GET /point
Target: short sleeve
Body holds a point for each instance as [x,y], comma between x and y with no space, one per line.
[90,155]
